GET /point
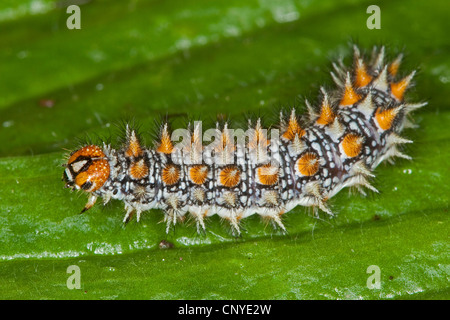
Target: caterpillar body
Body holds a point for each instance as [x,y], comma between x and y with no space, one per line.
[354,128]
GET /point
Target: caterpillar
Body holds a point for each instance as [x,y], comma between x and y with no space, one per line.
[303,161]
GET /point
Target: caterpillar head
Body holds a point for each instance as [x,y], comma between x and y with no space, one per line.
[87,169]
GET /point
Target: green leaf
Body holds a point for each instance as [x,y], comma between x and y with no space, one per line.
[200,60]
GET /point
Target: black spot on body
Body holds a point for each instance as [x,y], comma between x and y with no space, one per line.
[87,185]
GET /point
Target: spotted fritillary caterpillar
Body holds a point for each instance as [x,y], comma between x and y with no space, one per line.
[354,129]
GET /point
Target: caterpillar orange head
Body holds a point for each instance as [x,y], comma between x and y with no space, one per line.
[87,169]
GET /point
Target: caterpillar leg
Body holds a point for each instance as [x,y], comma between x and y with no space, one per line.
[233,219]
[170,218]
[276,219]
[91,201]
[129,214]
[199,220]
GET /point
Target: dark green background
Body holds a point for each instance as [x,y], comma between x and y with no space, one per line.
[146,60]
